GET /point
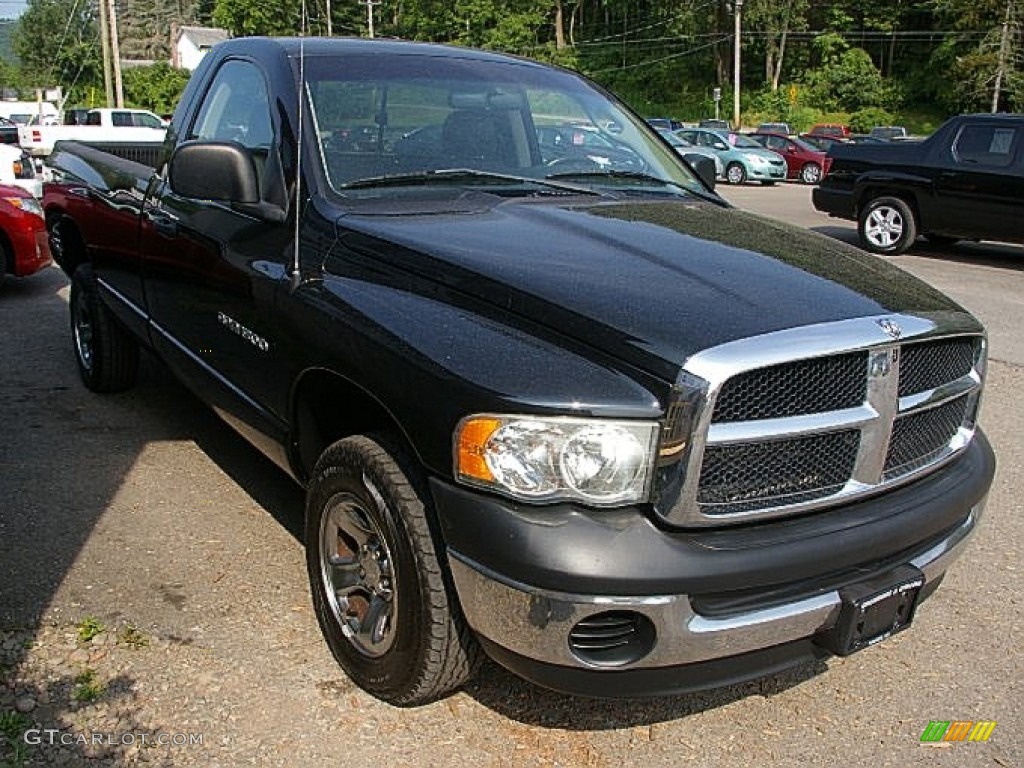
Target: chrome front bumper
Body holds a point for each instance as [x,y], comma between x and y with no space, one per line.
[536,623]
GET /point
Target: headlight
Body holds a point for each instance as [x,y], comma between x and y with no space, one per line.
[757,159]
[27,204]
[603,463]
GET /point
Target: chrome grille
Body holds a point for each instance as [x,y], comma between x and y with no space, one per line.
[804,386]
[740,477]
[807,418]
[918,438]
[930,364]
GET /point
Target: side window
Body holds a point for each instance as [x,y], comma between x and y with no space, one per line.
[988,145]
[121,119]
[236,108]
[146,121]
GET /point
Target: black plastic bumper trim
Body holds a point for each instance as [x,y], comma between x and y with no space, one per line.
[658,681]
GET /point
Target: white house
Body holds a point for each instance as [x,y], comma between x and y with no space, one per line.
[193,43]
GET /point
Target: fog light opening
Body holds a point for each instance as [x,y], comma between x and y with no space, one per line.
[612,638]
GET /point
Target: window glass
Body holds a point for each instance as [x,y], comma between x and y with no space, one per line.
[986,144]
[394,117]
[236,108]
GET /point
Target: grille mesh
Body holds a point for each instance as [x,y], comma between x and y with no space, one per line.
[736,478]
[920,438]
[769,474]
[930,364]
[804,386]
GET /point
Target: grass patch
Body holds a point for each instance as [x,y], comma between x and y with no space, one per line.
[88,687]
[132,636]
[13,749]
[88,628]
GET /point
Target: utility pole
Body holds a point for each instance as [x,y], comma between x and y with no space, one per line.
[738,13]
[1004,52]
[330,32]
[108,83]
[115,56]
[369,14]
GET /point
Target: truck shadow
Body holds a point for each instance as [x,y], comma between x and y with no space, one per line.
[68,459]
[523,702]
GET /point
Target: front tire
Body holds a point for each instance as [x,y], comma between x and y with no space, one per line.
[887,226]
[384,602]
[735,173]
[106,353]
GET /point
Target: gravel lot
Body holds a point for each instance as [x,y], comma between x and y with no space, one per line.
[153,595]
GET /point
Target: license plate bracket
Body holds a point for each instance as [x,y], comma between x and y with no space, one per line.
[874,610]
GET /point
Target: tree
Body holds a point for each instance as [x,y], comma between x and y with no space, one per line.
[848,79]
[989,68]
[774,20]
[157,87]
[257,17]
[58,44]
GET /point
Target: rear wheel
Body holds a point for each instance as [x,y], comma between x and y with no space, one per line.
[887,226]
[735,173]
[810,173]
[384,602]
[107,355]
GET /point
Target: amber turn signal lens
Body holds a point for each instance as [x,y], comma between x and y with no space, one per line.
[473,438]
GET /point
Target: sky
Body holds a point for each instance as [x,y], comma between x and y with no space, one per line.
[11,9]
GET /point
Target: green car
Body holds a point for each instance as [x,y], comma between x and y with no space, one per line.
[744,159]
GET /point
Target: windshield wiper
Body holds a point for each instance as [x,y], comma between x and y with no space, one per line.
[613,174]
[461,176]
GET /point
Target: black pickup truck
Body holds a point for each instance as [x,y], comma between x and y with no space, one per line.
[964,182]
[571,409]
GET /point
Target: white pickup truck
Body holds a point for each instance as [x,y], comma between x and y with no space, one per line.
[106,126]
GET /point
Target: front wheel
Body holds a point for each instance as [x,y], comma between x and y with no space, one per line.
[106,353]
[887,226]
[735,173]
[810,173]
[383,600]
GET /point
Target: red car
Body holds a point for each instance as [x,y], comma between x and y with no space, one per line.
[803,161]
[23,245]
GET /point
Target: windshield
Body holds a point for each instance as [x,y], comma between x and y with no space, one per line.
[743,142]
[804,145]
[383,121]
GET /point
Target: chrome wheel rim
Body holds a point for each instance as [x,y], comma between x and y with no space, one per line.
[357,573]
[884,227]
[83,331]
[735,174]
[812,174]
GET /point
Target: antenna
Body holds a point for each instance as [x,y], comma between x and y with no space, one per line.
[298,144]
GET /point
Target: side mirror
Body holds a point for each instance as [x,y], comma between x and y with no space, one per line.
[214,170]
[703,166]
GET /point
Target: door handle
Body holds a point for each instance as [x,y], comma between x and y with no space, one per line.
[163,223]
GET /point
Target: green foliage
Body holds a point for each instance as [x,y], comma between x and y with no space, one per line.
[157,87]
[88,628]
[257,17]
[850,80]
[662,58]
[132,636]
[863,120]
[58,44]
[13,750]
[88,687]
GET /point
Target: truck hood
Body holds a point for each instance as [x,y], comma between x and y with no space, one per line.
[648,281]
